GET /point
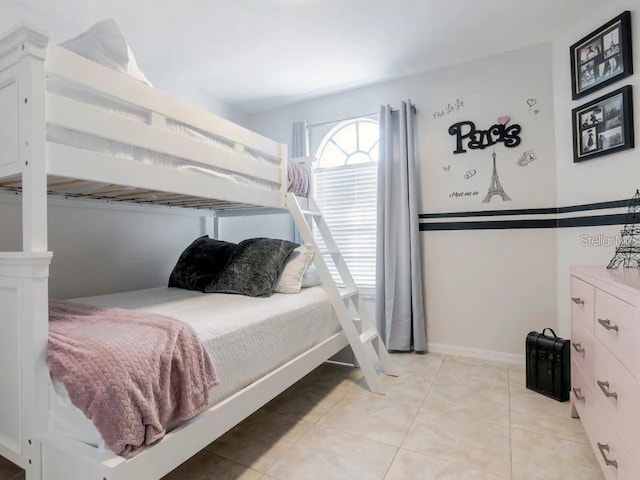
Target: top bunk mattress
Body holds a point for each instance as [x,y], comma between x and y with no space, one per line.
[246,338]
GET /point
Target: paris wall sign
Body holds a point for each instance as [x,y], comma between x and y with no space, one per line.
[468,136]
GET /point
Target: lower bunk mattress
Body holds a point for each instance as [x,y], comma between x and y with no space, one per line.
[246,338]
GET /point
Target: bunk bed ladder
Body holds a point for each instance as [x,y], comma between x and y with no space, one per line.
[365,341]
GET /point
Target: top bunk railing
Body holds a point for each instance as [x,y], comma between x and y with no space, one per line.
[67,65]
[91,108]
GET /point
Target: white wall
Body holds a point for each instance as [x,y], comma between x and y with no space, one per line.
[608,178]
[107,248]
[241,227]
[13,11]
[484,289]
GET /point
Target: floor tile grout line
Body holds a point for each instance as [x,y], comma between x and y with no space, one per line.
[422,403]
[313,424]
[290,445]
[413,420]
[550,435]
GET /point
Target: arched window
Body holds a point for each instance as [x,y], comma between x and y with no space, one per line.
[349,143]
[345,176]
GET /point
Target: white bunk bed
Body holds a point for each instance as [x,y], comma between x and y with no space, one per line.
[75,128]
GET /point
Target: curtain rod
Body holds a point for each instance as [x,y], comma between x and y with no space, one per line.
[376,114]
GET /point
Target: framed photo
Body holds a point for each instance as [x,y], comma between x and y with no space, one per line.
[604,126]
[602,57]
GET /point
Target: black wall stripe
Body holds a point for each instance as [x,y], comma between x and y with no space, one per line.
[491,213]
[529,211]
[595,206]
[600,220]
[492,225]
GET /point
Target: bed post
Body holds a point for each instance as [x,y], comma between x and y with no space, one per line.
[24,275]
[32,138]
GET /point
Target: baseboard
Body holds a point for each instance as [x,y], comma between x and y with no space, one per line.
[492,355]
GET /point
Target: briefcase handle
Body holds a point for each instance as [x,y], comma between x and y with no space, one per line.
[551,330]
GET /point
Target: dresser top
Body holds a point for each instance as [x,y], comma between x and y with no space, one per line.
[626,278]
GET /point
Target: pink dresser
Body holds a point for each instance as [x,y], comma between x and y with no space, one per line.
[605,365]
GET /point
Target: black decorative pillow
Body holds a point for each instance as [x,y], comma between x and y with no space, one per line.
[254,268]
[201,263]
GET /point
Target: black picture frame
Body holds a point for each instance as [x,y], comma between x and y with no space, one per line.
[604,126]
[597,60]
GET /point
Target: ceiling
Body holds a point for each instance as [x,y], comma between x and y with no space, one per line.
[260,54]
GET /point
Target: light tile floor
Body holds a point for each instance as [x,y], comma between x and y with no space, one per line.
[444,418]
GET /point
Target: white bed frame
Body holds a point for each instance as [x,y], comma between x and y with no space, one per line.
[31,164]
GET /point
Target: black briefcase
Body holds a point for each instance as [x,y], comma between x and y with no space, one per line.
[548,365]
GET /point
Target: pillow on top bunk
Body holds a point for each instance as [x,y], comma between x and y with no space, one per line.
[299,181]
[290,280]
[253,268]
[105,44]
[201,263]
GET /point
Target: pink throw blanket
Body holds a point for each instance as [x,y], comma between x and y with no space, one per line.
[131,373]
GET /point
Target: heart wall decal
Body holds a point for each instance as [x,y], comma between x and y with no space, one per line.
[531,102]
[503,120]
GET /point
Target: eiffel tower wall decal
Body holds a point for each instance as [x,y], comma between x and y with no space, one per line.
[628,250]
[495,187]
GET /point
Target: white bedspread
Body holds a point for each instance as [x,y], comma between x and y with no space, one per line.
[246,338]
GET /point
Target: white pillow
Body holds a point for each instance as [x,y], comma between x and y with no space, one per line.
[104,44]
[290,280]
[311,277]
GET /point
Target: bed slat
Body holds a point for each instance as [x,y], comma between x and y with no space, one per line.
[66,161]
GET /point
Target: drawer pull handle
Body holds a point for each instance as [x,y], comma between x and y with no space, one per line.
[577,300]
[605,448]
[578,348]
[607,324]
[604,386]
[578,393]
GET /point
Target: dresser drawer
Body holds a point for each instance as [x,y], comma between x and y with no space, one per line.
[582,302]
[616,326]
[614,459]
[583,348]
[582,395]
[618,396]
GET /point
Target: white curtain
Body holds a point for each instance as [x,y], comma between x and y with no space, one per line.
[299,140]
[400,314]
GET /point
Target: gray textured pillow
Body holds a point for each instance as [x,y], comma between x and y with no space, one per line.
[254,268]
[201,263]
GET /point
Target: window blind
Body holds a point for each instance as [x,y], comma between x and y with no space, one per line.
[346,196]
